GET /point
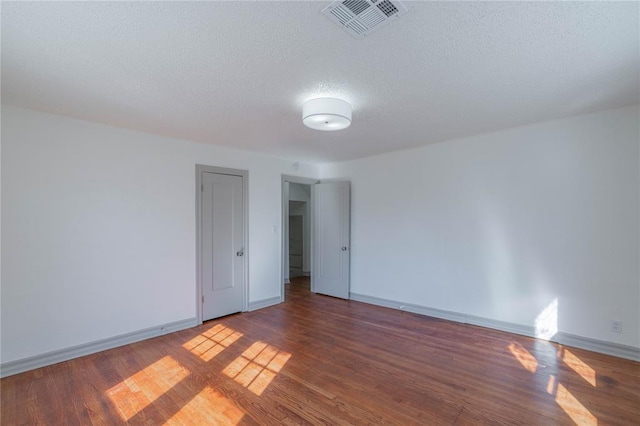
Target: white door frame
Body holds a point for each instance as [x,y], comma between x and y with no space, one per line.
[200,169]
[284,248]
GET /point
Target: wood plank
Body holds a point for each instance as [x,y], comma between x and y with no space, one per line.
[320,360]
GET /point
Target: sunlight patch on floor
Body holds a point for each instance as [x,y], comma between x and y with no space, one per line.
[521,353]
[207,407]
[551,385]
[257,366]
[577,365]
[136,392]
[210,343]
[574,409]
[562,396]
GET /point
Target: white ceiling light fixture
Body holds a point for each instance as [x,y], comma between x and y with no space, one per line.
[326,114]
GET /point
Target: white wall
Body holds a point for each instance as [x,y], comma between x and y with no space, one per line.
[98,226]
[500,225]
[98,229]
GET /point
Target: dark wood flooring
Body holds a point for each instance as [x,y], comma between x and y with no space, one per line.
[320,360]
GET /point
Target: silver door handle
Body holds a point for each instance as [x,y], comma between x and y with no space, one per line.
[344,249]
[239,253]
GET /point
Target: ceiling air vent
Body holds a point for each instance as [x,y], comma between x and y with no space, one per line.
[362,17]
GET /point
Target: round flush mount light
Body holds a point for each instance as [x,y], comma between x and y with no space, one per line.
[326,114]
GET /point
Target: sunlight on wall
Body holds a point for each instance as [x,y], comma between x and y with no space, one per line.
[577,365]
[206,408]
[547,321]
[527,360]
[578,412]
[135,393]
[257,366]
[213,341]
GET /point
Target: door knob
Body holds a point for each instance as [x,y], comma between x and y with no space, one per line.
[239,253]
[344,249]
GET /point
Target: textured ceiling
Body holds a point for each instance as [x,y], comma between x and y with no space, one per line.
[237,73]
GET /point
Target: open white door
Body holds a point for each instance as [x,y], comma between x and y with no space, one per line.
[331,240]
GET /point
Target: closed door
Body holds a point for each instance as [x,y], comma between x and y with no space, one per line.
[331,239]
[222,245]
[295,246]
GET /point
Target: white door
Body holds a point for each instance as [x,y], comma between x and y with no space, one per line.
[331,229]
[222,245]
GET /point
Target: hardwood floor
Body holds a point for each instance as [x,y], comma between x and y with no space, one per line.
[320,360]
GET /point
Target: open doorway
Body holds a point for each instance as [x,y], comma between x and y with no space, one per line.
[324,208]
[298,239]
[299,230]
[297,226]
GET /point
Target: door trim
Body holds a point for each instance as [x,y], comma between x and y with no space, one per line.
[284,234]
[244,174]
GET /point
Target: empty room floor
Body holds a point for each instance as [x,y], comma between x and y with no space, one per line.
[320,360]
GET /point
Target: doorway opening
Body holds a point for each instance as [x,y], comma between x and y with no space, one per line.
[296,287]
[297,235]
[322,211]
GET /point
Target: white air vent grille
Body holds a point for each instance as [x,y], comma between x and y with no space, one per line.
[387,8]
[356,6]
[342,15]
[371,18]
[361,17]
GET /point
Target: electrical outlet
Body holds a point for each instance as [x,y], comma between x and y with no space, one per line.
[616,326]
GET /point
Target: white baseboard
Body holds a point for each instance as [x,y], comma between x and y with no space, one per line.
[25,364]
[594,345]
[306,273]
[259,304]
